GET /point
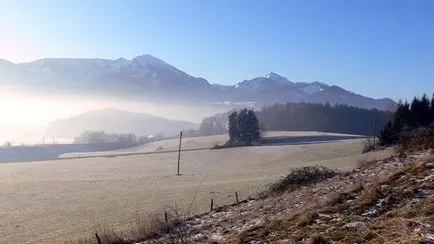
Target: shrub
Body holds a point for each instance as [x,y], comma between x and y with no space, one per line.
[417,139]
[300,177]
[369,145]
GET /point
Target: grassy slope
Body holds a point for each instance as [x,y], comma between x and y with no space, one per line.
[381,201]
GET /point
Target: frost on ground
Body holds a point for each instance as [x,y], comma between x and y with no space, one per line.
[383,201]
[74,197]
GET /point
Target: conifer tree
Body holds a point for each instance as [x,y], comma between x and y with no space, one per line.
[233,128]
[432,109]
[253,127]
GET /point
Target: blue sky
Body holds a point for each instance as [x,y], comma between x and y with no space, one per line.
[376,48]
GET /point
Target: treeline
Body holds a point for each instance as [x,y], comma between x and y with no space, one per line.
[322,117]
[101,137]
[307,117]
[410,122]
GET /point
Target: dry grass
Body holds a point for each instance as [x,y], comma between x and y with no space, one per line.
[45,201]
[421,138]
[398,217]
[148,228]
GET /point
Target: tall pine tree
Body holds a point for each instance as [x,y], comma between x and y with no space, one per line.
[432,109]
[424,115]
[253,128]
[386,135]
[402,117]
[233,128]
[243,127]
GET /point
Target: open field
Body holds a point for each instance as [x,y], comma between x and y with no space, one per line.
[195,143]
[56,201]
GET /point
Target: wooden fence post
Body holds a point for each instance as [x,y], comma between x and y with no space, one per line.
[236,197]
[97,238]
[212,204]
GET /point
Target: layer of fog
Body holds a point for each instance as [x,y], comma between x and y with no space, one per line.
[26,115]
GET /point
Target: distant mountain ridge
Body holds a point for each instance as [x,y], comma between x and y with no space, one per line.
[116,121]
[149,78]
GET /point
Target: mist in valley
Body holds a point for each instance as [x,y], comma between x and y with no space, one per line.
[28,116]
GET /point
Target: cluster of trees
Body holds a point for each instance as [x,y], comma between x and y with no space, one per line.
[100,137]
[322,117]
[407,117]
[243,128]
[214,125]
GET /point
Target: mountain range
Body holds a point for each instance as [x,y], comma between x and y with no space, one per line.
[149,78]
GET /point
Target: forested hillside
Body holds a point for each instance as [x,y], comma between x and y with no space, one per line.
[322,117]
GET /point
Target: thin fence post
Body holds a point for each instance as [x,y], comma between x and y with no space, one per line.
[97,238]
[179,152]
[236,197]
[212,204]
[166,219]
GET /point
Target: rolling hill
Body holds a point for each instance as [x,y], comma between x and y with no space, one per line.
[116,121]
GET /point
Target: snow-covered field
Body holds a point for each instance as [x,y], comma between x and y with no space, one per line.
[54,201]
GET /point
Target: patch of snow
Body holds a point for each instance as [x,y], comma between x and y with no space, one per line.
[370,212]
[380,202]
[353,224]
[427,238]
[251,223]
[312,89]
[216,237]
[283,81]
[199,237]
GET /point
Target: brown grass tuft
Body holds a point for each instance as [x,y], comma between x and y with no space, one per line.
[151,228]
[300,177]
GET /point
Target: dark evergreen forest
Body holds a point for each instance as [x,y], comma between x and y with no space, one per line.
[307,117]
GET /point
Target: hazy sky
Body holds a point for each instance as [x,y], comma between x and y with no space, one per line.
[376,48]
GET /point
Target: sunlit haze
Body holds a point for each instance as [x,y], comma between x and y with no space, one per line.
[377,49]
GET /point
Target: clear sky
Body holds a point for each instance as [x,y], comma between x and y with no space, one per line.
[376,48]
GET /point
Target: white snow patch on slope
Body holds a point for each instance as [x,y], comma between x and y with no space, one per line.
[311,89]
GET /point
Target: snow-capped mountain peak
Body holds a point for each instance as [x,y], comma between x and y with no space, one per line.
[277,78]
[147,59]
[269,81]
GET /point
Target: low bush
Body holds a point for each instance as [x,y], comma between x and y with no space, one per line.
[300,177]
[418,139]
[369,145]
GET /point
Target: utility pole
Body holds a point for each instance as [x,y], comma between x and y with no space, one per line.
[179,152]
